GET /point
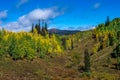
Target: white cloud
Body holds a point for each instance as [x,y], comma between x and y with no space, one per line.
[42,14]
[97,5]
[24,22]
[21,3]
[3,14]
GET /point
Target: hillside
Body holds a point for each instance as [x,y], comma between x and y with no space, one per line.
[62,32]
[33,56]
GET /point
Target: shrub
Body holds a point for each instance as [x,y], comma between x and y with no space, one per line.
[118,63]
[30,54]
[76,58]
[42,54]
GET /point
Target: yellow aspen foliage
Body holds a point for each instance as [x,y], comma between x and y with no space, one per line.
[104,43]
[97,37]
[68,43]
[35,32]
[26,45]
[55,45]
[96,47]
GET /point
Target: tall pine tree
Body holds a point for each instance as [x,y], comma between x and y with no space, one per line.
[43,31]
[72,46]
[64,43]
[87,60]
[32,28]
[111,40]
[39,27]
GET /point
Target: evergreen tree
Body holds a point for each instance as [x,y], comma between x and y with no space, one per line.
[87,60]
[39,25]
[116,54]
[64,43]
[118,35]
[32,28]
[37,28]
[111,40]
[43,31]
[72,44]
[118,51]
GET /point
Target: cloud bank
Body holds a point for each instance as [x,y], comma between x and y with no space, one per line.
[24,22]
[82,27]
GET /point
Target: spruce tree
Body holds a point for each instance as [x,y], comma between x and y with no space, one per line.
[43,31]
[118,35]
[111,40]
[39,27]
[32,28]
[118,56]
[87,60]
[72,44]
[64,43]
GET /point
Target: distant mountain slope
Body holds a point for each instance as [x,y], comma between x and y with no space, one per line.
[62,32]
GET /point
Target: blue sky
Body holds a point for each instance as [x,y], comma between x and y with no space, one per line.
[17,15]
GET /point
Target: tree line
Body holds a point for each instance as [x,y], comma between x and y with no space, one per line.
[41,27]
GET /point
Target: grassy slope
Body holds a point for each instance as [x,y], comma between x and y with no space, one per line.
[58,67]
[62,67]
